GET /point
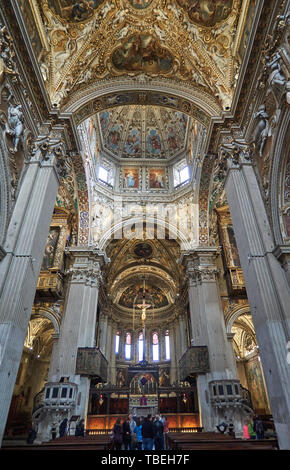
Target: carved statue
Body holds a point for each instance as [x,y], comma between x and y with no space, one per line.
[14,127]
[276,77]
[262,128]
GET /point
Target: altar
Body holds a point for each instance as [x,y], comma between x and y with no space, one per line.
[138,409]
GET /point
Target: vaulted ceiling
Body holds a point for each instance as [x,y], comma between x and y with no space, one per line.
[198,43]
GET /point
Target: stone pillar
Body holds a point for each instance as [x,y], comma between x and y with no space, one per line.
[232,356]
[265,280]
[112,364]
[20,268]
[109,342]
[173,362]
[77,329]
[103,331]
[208,329]
[183,340]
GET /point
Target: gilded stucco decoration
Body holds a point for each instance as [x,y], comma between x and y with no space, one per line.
[190,42]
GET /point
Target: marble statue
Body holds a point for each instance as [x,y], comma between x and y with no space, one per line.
[14,127]
[262,128]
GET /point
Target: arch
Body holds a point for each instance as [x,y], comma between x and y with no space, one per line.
[233,314]
[138,220]
[280,153]
[119,92]
[50,314]
[5,195]
[167,93]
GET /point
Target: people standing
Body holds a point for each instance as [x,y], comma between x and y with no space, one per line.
[251,429]
[80,429]
[126,434]
[147,433]
[246,434]
[259,428]
[158,433]
[166,429]
[63,428]
[118,435]
[139,434]
[133,441]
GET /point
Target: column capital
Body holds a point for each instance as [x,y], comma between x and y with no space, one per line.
[232,155]
[85,265]
[200,264]
[50,149]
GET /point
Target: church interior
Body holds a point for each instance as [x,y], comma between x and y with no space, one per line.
[144,216]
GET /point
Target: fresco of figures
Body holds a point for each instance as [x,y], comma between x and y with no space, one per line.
[134,295]
[133,143]
[207,12]
[73,11]
[164,377]
[50,248]
[131,178]
[154,142]
[114,137]
[140,4]
[142,53]
[156,178]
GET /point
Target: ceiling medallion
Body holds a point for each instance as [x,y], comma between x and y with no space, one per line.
[143,250]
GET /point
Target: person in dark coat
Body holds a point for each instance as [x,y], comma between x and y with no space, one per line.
[63,428]
[80,429]
[158,430]
[147,433]
[118,434]
[126,434]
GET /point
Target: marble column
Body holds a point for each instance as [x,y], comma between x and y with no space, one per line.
[183,340]
[112,364]
[79,319]
[20,268]
[103,331]
[266,284]
[173,361]
[209,330]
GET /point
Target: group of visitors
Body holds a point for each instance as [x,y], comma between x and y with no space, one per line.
[254,428]
[140,433]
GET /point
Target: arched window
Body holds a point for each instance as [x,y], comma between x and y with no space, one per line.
[155,346]
[167,345]
[117,342]
[140,346]
[128,342]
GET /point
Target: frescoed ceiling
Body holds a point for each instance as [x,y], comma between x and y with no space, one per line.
[193,42]
[149,132]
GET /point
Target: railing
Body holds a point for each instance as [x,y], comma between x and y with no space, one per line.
[225,393]
[38,401]
[246,397]
[59,395]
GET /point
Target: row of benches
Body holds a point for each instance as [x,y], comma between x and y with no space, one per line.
[215,441]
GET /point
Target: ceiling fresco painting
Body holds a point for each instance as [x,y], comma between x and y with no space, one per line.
[147,132]
[207,12]
[73,11]
[192,42]
[134,295]
[142,53]
[140,4]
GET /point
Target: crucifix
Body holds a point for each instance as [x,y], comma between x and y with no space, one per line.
[143,306]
